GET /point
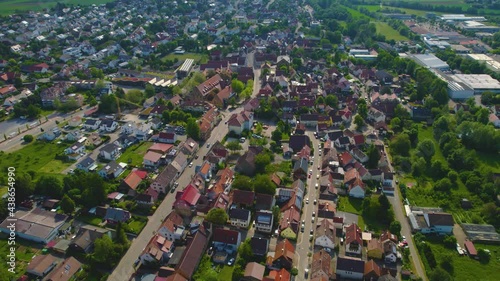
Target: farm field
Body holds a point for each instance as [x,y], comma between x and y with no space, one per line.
[375,8]
[13,6]
[389,32]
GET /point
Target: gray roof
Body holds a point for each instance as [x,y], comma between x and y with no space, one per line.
[240,214]
[350,264]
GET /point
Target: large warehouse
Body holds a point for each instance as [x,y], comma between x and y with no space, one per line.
[464,86]
[431,61]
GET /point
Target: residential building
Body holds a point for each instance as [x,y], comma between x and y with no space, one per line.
[240,122]
[191,257]
[264,221]
[91,124]
[116,215]
[165,179]
[110,151]
[152,159]
[65,271]
[41,265]
[226,240]
[259,246]
[320,266]
[157,251]
[325,234]
[75,151]
[353,240]
[88,165]
[112,170]
[253,272]
[431,222]
[108,125]
[283,255]
[350,268]
[239,217]
[85,238]
[172,228]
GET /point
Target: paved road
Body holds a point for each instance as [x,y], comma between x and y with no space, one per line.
[405,228]
[15,143]
[303,246]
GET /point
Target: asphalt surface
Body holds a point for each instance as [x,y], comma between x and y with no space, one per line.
[303,246]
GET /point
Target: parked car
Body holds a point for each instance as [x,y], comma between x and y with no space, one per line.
[230,262]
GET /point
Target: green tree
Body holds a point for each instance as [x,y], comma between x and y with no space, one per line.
[237,86]
[263,184]
[396,124]
[245,251]
[373,157]
[150,90]
[359,121]
[276,135]
[443,185]
[217,216]
[33,111]
[233,146]
[401,145]
[67,204]
[134,96]
[24,187]
[242,182]
[261,161]
[395,228]
[426,149]
[484,256]
[28,138]
[332,101]
[362,108]
[50,186]
[450,241]
[121,236]
[193,129]
[276,216]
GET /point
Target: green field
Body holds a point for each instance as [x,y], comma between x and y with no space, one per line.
[465,268]
[198,58]
[389,32]
[24,254]
[135,153]
[375,8]
[38,156]
[14,6]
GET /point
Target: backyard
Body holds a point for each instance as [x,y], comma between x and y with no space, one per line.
[465,268]
[135,153]
[389,32]
[198,58]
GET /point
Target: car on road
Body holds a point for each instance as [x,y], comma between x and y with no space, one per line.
[317,176]
[71,171]
[341,241]
[208,145]
[311,231]
[310,171]
[315,202]
[230,262]
[191,165]
[314,213]
[317,185]
[307,200]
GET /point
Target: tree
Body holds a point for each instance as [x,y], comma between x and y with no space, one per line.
[362,108]
[443,185]
[121,236]
[450,241]
[277,135]
[24,187]
[395,228]
[294,271]
[396,124]
[28,138]
[33,111]
[237,86]
[261,161]
[242,182]
[233,146]
[358,120]
[426,149]
[217,216]
[491,214]
[50,186]
[484,256]
[263,184]
[134,96]
[245,251]
[276,215]
[439,274]
[67,204]
[193,129]
[332,101]
[401,145]
[150,90]
[373,157]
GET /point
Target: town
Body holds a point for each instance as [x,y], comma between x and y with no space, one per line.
[250,140]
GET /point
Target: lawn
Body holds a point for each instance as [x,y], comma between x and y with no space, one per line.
[135,153]
[13,6]
[350,205]
[136,226]
[389,32]
[465,268]
[489,160]
[226,273]
[24,254]
[38,156]
[356,14]
[198,58]
[90,220]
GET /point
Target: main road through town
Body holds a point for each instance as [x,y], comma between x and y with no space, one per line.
[125,269]
[303,246]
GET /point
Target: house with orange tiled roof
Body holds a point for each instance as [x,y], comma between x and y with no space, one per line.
[353,240]
[208,88]
[283,255]
[372,270]
[205,170]
[130,184]
[223,180]
[221,98]
[320,266]
[290,223]
[278,275]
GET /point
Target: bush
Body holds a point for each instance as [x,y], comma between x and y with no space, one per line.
[450,241]
[294,271]
[28,138]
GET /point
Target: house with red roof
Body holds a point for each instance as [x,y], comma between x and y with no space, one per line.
[242,198]
[130,184]
[353,240]
[239,122]
[158,250]
[186,200]
[358,139]
[278,275]
[226,240]
[283,255]
[354,184]
[161,148]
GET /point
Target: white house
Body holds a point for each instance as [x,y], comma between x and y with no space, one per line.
[75,151]
[88,164]
[325,234]
[152,159]
[91,124]
[112,170]
[108,125]
[376,115]
[51,134]
[172,227]
[357,189]
[110,152]
[350,268]
[239,217]
[264,221]
[240,122]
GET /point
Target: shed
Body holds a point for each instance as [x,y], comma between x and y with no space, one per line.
[469,246]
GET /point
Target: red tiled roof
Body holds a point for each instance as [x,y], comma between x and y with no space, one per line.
[161,147]
[226,236]
[353,234]
[284,249]
[132,180]
[190,195]
[142,174]
[243,197]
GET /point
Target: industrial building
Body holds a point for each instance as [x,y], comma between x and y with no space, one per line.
[461,17]
[431,61]
[464,86]
[490,62]
[475,26]
[185,68]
